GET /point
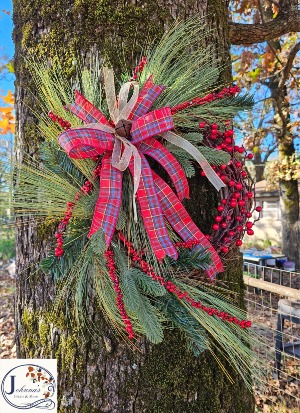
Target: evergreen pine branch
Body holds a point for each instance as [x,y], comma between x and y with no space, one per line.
[43,192]
[84,208]
[234,103]
[150,322]
[146,284]
[140,307]
[97,244]
[182,319]
[226,337]
[218,111]
[59,268]
[130,292]
[134,284]
[184,160]
[87,81]
[213,156]
[57,161]
[122,220]
[54,91]
[212,298]
[40,191]
[186,72]
[193,137]
[197,258]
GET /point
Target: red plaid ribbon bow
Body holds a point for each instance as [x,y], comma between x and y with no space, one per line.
[156,199]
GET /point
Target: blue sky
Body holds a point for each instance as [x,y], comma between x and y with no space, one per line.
[6,43]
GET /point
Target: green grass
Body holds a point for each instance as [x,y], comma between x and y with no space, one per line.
[7,247]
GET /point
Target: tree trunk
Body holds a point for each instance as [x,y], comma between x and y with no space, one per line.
[289,208]
[102,374]
[259,167]
[288,189]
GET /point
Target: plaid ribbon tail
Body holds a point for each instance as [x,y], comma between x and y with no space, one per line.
[109,201]
[161,154]
[146,98]
[183,224]
[152,214]
[86,111]
[83,143]
[151,124]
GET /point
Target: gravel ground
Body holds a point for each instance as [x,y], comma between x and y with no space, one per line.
[7,327]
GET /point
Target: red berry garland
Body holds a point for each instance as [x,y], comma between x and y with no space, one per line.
[172,288]
[139,68]
[85,189]
[119,296]
[63,123]
[226,92]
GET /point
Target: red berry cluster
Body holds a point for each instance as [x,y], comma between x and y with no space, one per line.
[226,92]
[97,170]
[171,287]
[236,205]
[63,123]
[119,296]
[188,244]
[139,68]
[85,189]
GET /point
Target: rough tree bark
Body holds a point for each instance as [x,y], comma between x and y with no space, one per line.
[101,374]
[289,207]
[259,168]
[288,189]
[287,21]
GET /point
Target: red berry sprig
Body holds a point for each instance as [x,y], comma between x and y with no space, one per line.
[188,244]
[226,92]
[119,296]
[139,68]
[59,251]
[63,123]
[172,288]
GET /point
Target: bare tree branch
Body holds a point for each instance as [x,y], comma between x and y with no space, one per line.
[287,21]
[270,150]
[274,2]
[288,66]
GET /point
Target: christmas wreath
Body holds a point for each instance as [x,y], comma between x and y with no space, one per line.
[124,237]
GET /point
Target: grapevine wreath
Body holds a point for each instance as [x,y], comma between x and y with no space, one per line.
[122,232]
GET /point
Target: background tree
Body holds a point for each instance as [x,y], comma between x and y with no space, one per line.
[7,120]
[268,65]
[7,127]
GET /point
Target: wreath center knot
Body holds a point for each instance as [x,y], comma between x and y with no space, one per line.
[123,128]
